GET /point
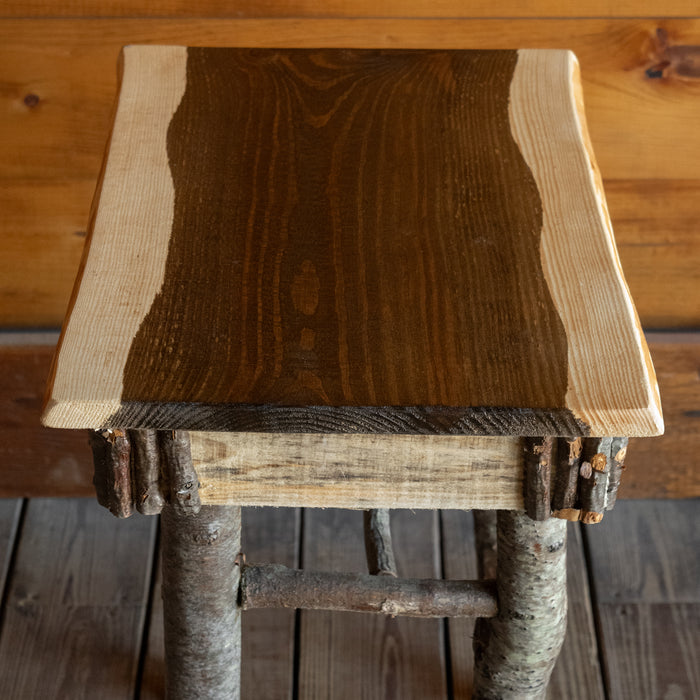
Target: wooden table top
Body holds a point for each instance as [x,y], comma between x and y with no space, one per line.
[352,241]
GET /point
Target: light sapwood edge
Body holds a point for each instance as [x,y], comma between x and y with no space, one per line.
[358,471]
[152,87]
[612,386]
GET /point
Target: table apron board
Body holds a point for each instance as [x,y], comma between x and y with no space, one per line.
[359,471]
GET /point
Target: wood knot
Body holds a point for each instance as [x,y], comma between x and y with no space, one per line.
[682,61]
[31,100]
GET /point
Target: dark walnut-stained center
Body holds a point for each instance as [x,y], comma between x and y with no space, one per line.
[351,229]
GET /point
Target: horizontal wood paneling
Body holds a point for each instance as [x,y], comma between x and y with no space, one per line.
[60,80]
[34,460]
[668,466]
[61,77]
[39,461]
[346,8]
[656,229]
[42,232]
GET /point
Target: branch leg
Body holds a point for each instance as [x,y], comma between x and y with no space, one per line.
[515,651]
[200,602]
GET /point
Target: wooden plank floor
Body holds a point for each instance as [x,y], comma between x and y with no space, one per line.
[81,614]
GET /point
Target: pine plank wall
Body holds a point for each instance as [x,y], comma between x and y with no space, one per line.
[641,75]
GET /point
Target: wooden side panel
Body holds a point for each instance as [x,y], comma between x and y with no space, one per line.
[358,471]
[371,656]
[645,571]
[79,585]
[345,8]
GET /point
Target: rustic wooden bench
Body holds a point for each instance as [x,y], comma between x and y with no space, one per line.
[367,279]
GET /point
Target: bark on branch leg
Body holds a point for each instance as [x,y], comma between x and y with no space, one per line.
[515,651]
[200,602]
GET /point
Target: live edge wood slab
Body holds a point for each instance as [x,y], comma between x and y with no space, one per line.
[352,241]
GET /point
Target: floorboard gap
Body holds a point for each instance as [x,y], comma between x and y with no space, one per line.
[297,614]
[592,591]
[446,621]
[145,633]
[11,559]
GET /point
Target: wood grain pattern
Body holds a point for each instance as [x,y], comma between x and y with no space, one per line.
[344,8]
[573,204]
[577,674]
[141,208]
[669,465]
[40,461]
[79,585]
[652,651]
[654,223]
[75,60]
[372,656]
[645,570]
[358,471]
[50,156]
[278,292]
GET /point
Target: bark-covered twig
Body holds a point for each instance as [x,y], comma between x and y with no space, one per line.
[378,547]
[537,455]
[276,586]
[565,491]
[593,482]
[112,475]
[182,482]
[147,481]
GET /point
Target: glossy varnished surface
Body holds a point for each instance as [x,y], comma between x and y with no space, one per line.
[354,243]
